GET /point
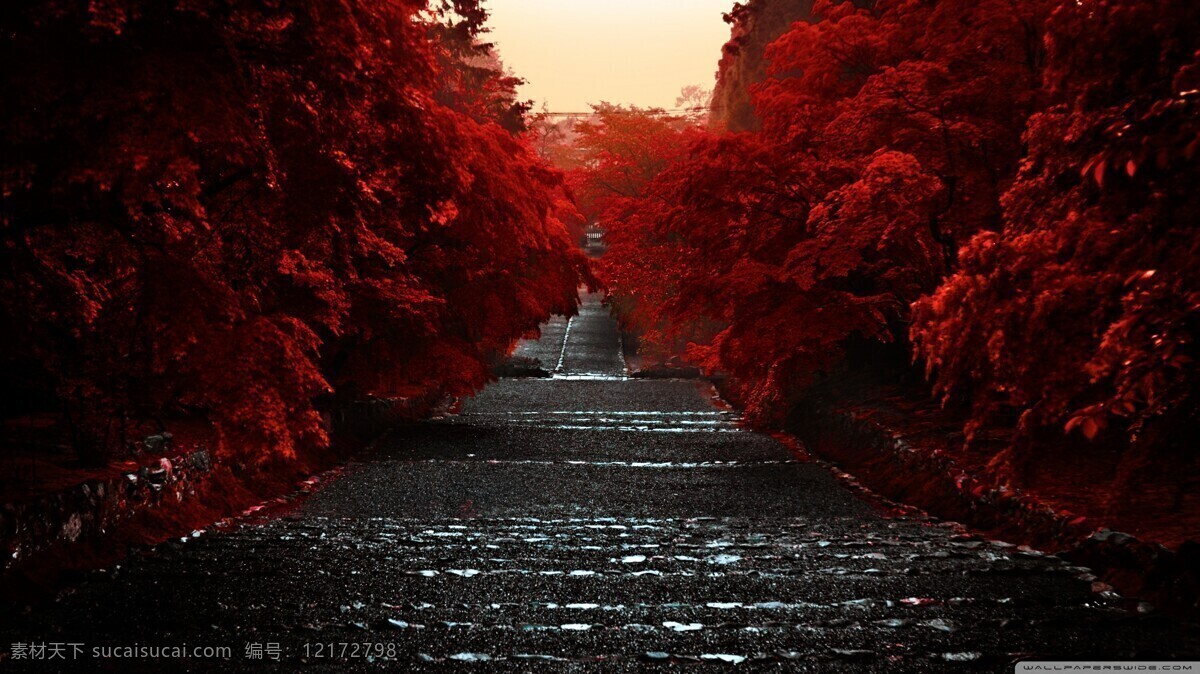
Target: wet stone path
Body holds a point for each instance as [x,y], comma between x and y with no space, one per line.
[591,521]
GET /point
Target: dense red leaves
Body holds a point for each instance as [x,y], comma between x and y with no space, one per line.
[887,136]
[239,211]
[1084,309]
[1021,171]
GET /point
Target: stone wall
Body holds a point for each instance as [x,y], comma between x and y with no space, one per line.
[902,469]
[91,510]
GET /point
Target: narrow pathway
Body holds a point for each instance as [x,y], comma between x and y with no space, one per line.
[592,521]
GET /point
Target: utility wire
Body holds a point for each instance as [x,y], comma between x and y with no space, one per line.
[698,108]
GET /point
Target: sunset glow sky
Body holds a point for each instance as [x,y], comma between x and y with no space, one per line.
[641,52]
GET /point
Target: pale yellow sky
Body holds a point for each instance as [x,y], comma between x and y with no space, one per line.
[640,52]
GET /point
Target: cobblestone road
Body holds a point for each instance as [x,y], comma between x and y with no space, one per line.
[590,521]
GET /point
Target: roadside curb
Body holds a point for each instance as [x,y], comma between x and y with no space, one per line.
[883,460]
[80,524]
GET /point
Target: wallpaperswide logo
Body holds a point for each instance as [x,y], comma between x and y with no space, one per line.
[1106,666]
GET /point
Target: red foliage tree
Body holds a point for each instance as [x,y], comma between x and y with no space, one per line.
[1019,172]
[888,135]
[1083,311]
[230,211]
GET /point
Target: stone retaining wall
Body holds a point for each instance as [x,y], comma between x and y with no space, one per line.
[883,460]
[90,510]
